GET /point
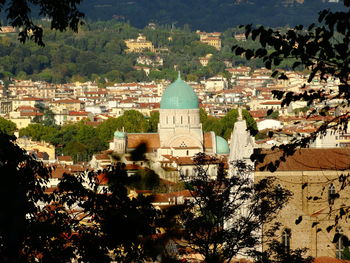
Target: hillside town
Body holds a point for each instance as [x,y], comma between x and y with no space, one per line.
[240,99]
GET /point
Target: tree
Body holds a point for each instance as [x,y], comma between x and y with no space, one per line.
[20,191]
[7,127]
[79,221]
[273,115]
[133,121]
[118,227]
[153,121]
[323,51]
[226,212]
[63,15]
[38,132]
[224,126]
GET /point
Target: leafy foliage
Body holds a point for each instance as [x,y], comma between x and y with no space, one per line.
[78,221]
[224,126]
[226,212]
[323,50]
[7,127]
[63,15]
[20,191]
[194,14]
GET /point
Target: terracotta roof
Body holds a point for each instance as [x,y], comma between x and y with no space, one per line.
[24,113]
[258,113]
[102,156]
[151,139]
[310,159]
[207,140]
[68,101]
[273,102]
[25,107]
[65,158]
[31,99]
[329,260]
[78,113]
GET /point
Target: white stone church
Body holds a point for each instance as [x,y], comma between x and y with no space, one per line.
[180,135]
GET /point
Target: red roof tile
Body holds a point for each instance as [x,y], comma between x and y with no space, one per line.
[65,158]
[207,140]
[304,159]
[329,260]
[151,139]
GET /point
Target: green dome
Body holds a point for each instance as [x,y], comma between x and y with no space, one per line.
[221,145]
[119,135]
[179,95]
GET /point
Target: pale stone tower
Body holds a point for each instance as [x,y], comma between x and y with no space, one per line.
[119,142]
[242,143]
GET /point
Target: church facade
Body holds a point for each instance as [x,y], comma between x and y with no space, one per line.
[180,135]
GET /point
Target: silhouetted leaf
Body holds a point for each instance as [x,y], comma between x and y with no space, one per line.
[298,221]
[329,228]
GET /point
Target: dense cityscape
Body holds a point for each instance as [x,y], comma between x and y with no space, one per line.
[166,144]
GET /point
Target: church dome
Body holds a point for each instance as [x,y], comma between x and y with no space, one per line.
[179,95]
[221,145]
[119,135]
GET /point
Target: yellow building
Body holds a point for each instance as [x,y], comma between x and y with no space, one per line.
[205,60]
[314,176]
[139,45]
[211,39]
[30,145]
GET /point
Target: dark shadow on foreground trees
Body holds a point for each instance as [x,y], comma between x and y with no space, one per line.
[226,212]
[21,188]
[279,251]
[63,14]
[322,49]
[79,221]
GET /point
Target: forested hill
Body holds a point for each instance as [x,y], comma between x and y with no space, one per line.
[209,15]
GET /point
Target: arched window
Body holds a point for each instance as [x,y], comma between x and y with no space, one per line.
[187,152]
[286,235]
[331,194]
[339,245]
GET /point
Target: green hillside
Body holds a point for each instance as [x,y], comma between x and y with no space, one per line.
[210,15]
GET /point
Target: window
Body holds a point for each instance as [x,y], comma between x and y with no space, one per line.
[331,194]
[286,234]
[339,245]
[187,152]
